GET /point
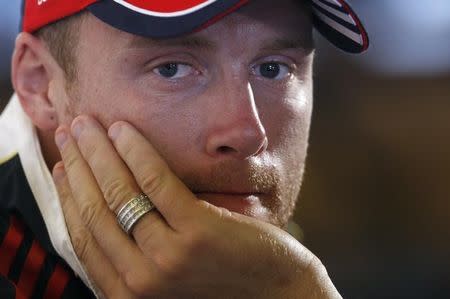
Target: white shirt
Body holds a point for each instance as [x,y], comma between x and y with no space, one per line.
[18,136]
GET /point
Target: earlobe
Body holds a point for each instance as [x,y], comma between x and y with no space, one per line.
[31,77]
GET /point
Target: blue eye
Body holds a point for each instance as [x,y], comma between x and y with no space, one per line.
[174,70]
[272,70]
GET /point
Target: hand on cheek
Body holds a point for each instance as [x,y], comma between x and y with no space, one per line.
[187,248]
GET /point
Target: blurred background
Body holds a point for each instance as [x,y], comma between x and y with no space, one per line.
[375,204]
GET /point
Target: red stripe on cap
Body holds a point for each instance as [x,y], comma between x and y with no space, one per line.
[31,269]
[39,13]
[10,245]
[166,6]
[57,283]
[222,15]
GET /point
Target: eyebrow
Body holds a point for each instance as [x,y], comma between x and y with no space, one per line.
[192,42]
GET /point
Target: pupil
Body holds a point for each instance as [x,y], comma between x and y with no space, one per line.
[168,70]
[270,70]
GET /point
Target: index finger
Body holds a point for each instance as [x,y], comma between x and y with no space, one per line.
[173,199]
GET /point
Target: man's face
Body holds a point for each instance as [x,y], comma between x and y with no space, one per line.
[228,107]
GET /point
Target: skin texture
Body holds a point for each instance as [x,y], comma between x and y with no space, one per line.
[219,135]
[220,129]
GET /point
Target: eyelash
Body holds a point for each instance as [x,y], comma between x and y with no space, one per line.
[281,65]
[254,68]
[157,69]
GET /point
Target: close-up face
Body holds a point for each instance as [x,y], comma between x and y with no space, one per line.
[227,107]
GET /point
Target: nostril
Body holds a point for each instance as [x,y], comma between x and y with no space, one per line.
[225,149]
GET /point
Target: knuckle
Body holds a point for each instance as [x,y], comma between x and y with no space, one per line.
[196,243]
[152,182]
[223,213]
[316,266]
[81,243]
[128,149]
[116,191]
[90,212]
[147,239]
[173,266]
[70,160]
[89,149]
[66,204]
[145,233]
[177,263]
[140,285]
[220,213]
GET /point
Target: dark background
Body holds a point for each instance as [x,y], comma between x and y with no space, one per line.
[375,204]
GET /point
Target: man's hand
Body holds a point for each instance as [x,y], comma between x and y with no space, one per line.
[188,248]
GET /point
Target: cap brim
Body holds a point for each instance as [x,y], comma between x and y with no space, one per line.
[338,23]
[334,19]
[159,25]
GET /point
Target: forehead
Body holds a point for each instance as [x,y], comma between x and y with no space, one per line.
[288,20]
[292,15]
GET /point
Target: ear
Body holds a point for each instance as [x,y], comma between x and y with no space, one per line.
[33,70]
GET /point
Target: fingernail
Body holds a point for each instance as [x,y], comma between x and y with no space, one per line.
[61,138]
[77,128]
[59,173]
[114,131]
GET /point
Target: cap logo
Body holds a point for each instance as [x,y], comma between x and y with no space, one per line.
[164,8]
[40,2]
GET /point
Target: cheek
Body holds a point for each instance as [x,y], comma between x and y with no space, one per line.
[63,101]
[287,119]
[170,123]
[173,131]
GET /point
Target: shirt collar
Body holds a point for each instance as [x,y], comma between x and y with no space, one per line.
[20,135]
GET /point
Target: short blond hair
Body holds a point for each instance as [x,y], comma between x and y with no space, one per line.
[61,38]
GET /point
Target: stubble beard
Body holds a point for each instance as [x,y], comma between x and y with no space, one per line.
[280,185]
[280,189]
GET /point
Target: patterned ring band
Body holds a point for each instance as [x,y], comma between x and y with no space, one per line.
[133,210]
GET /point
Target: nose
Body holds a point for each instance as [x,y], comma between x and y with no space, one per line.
[237,130]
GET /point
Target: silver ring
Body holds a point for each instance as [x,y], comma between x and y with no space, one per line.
[133,210]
